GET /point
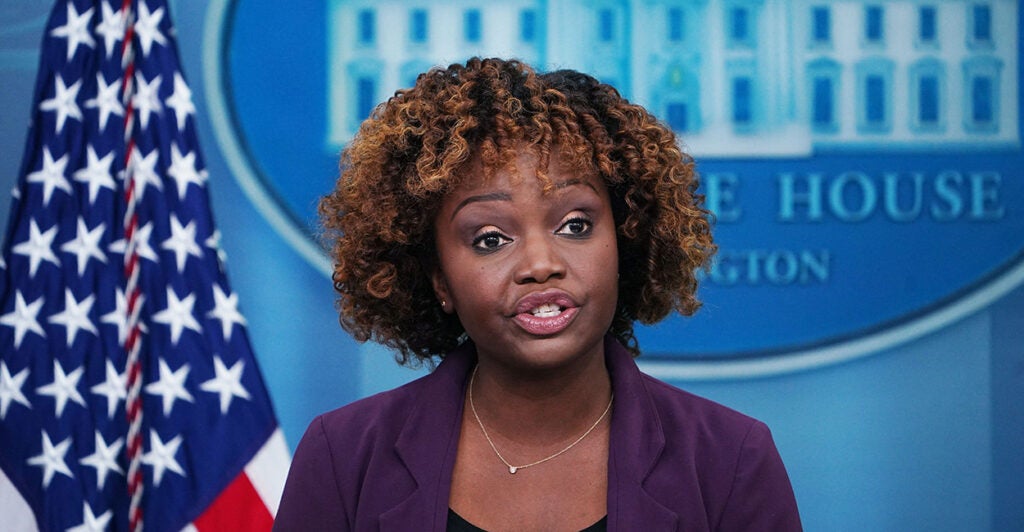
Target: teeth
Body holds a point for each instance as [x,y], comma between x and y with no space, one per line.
[546,311]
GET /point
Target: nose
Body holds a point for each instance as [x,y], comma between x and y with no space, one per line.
[539,260]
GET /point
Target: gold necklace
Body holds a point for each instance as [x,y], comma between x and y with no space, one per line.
[511,468]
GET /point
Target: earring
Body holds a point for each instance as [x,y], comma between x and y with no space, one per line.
[444,304]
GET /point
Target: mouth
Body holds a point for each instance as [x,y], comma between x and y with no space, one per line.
[545,313]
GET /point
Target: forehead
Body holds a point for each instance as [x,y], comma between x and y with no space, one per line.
[522,169]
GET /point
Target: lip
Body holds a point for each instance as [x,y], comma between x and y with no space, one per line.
[542,326]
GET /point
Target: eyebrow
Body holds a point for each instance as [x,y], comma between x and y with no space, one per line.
[505,196]
[493,196]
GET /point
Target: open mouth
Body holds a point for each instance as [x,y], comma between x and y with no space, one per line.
[548,310]
[546,313]
[546,319]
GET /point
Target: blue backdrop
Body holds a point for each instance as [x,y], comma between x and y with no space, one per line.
[864,161]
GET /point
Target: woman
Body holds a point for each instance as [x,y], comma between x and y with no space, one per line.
[515,226]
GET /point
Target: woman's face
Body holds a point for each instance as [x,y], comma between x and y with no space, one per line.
[532,276]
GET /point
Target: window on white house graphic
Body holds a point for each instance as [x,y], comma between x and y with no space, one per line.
[678,115]
[471,25]
[358,96]
[928,100]
[742,106]
[676,31]
[981,100]
[927,25]
[677,95]
[366,96]
[874,82]
[821,25]
[874,24]
[739,25]
[981,80]
[980,25]
[824,88]
[606,25]
[366,21]
[875,104]
[418,26]
[527,25]
[824,112]
[927,96]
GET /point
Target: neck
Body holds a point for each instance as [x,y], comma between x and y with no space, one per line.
[544,407]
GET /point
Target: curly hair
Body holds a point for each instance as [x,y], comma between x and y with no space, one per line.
[416,147]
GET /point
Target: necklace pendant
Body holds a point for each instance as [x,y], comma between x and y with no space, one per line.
[513,469]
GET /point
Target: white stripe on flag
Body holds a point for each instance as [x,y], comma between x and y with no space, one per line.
[15,511]
[268,470]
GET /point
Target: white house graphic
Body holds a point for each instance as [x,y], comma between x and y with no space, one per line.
[735,78]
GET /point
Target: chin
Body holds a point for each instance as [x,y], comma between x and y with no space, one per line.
[546,353]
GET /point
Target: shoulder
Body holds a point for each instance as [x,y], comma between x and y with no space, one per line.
[679,408]
[736,466]
[371,416]
[333,460]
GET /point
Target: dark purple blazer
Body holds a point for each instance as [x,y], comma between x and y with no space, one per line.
[676,461]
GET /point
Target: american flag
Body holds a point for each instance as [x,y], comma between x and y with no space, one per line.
[113,132]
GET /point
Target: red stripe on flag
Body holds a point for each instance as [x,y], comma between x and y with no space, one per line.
[239,507]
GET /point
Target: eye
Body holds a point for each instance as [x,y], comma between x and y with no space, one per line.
[490,241]
[577,226]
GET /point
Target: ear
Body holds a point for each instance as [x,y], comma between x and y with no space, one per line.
[440,284]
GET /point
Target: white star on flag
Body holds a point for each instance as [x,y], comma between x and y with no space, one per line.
[183,170]
[75,316]
[23,318]
[182,242]
[97,173]
[111,28]
[52,459]
[178,315]
[225,309]
[10,388]
[104,459]
[51,175]
[107,100]
[144,171]
[142,247]
[63,102]
[86,245]
[91,522]
[113,388]
[181,101]
[38,247]
[147,98]
[161,456]
[75,30]
[147,27]
[227,383]
[63,388]
[170,386]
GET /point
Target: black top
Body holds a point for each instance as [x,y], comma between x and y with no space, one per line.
[457,524]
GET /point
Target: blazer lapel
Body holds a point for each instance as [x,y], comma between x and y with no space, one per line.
[428,444]
[637,441]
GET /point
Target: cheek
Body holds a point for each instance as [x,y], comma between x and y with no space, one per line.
[474,285]
[603,268]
